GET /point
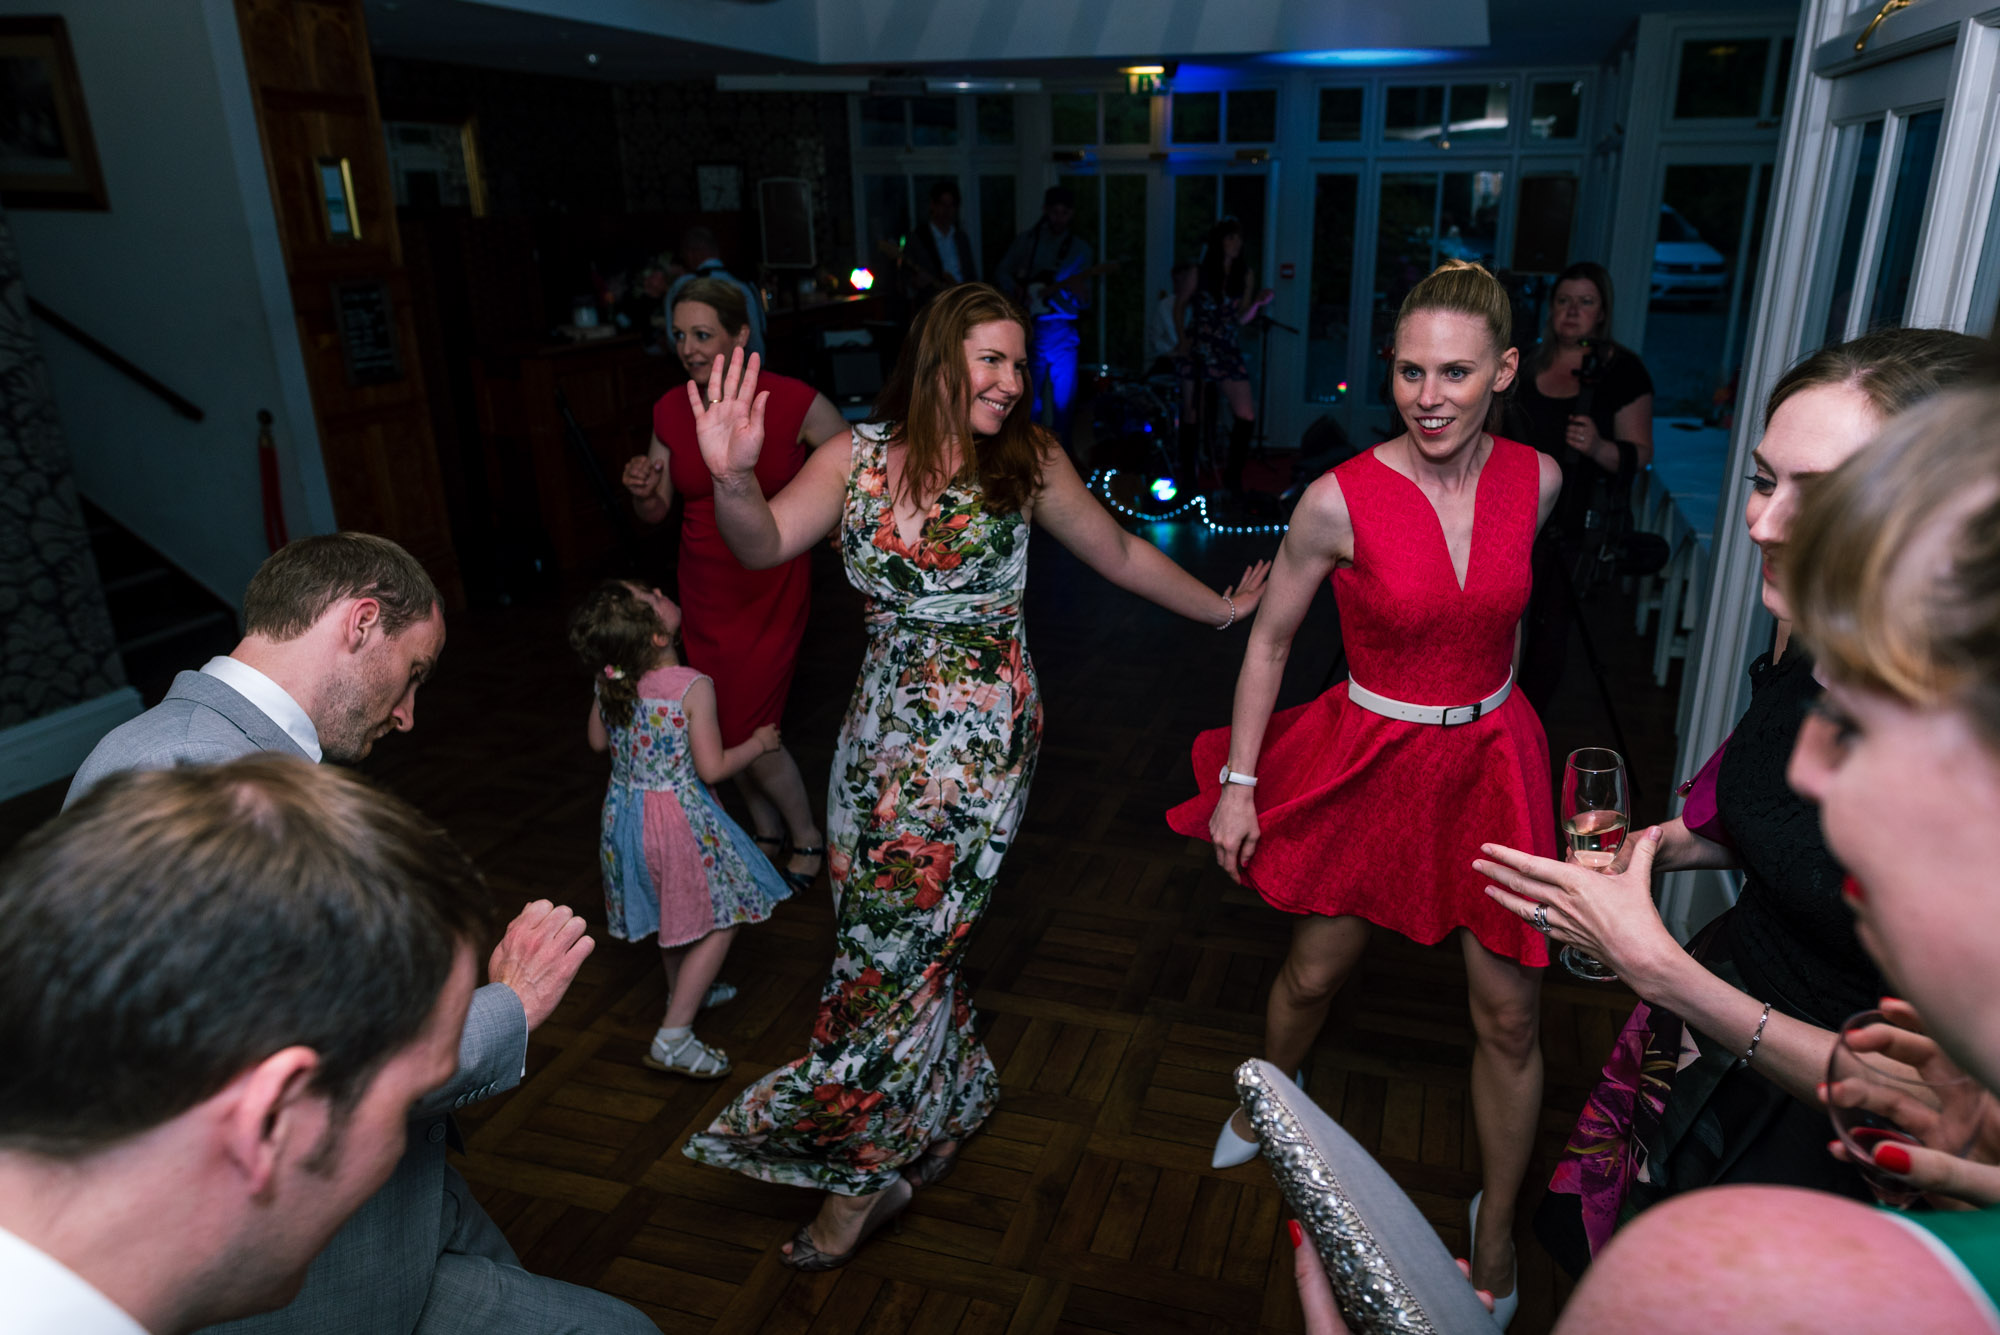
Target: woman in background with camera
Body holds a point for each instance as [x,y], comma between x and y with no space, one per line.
[1588,403]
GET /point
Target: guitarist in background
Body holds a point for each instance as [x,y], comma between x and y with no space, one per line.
[1045,270]
[938,254]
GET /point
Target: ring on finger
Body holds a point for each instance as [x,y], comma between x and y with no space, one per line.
[1540,918]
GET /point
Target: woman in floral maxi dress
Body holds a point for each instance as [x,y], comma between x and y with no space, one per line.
[934,506]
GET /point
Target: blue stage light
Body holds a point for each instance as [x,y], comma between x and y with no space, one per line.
[1366,56]
[1164,489]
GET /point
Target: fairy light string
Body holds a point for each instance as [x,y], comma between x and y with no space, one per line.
[1100,483]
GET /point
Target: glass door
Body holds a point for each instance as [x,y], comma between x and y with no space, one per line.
[1111,215]
[1204,193]
[1424,217]
[1884,162]
[1704,273]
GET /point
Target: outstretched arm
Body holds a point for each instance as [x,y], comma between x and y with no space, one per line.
[1065,507]
[1321,536]
[822,423]
[1610,915]
[729,424]
[712,760]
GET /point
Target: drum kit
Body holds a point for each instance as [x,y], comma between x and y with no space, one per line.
[1139,429]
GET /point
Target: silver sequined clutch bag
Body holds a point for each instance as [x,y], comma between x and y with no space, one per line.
[1389,1269]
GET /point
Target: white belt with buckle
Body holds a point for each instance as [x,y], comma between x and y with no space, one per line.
[1445,716]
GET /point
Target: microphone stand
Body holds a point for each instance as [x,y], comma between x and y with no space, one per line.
[1265,324]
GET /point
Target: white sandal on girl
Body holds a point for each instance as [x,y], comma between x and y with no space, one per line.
[687,1056]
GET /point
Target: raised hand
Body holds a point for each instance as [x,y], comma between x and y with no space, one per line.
[729,418]
[538,957]
[642,475]
[1249,591]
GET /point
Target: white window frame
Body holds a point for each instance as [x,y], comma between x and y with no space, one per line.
[1957,216]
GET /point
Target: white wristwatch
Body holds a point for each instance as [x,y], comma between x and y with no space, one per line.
[1230,776]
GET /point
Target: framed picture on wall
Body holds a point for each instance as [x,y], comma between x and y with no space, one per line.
[719,187]
[47,157]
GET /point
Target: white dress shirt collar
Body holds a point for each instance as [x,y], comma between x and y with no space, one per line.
[947,249]
[46,1297]
[272,700]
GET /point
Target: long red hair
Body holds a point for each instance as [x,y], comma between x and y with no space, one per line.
[929,395]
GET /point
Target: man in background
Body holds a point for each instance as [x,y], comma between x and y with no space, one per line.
[703,258]
[938,254]
[1048,271]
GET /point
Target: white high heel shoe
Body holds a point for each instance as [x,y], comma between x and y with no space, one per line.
[1503,1308]
[1230,1148]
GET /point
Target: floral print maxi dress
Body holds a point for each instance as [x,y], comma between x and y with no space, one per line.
[929,782]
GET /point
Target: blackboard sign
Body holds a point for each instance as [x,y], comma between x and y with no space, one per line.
[367,333]
[785,213]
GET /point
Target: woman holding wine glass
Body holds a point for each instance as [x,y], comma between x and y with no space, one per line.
[1733,1032]
[1365,807]
[1895,578]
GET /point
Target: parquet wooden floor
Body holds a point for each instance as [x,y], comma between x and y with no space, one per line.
[1119,976]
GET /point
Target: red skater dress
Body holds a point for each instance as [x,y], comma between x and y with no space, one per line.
[1373,816]
[740,627]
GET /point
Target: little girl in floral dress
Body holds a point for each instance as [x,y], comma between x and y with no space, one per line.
[674,863]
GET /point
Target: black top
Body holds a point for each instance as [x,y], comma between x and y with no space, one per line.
[1537,419]
[1790,932]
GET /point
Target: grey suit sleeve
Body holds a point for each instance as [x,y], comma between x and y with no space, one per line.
[104,762]
[491,1053]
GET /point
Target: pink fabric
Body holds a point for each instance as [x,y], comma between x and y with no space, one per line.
[675,859]
[1698,810]
[1598,1165]
[1366,815]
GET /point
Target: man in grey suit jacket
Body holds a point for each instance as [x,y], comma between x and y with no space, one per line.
[192,1103]
[340,631]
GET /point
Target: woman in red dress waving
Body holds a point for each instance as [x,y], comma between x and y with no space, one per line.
[1368,805]
[740,627]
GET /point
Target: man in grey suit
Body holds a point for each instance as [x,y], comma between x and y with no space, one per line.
[339,632]
[199,1082]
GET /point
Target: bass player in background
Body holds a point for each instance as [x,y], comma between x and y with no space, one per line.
[1048,271]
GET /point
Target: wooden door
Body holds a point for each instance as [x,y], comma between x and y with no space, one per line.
[329,172]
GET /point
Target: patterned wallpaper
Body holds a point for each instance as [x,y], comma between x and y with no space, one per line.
[546,144]
[665,129]
[56,645]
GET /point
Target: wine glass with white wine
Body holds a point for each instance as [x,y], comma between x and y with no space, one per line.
[1596,807]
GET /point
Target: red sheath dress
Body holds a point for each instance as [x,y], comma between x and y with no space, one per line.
[740,627]
[1380,818]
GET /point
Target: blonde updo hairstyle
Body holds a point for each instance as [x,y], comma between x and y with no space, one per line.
[1893,565]
[1462,287]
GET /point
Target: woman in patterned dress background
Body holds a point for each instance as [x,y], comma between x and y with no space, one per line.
[933,502]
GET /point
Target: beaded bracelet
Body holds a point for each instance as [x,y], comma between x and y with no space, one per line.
[1750,1052]
[1232,613]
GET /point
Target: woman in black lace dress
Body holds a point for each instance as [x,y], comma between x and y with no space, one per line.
[1713,1079]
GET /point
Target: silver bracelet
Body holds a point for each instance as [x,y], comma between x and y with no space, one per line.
[1232,613]
[1750,1053]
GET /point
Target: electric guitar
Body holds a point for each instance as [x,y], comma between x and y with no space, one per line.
[1050,295]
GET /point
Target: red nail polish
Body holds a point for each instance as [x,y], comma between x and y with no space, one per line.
[1851,888]
[1298,1238]
[1892,1158]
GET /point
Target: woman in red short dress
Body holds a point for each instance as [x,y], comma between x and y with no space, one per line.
[740,627]
[1368,805]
